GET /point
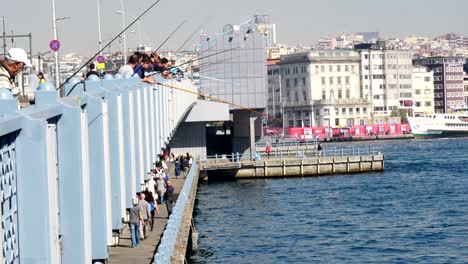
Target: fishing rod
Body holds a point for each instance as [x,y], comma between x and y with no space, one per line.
[191,36]
[173,32]
[190,61]
[207,56]
[108,44]
[209,66]
[218,100]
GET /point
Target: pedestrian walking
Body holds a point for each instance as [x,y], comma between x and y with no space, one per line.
[177,168]
[135,218]
[268,150]
[161,188]
[170,198]
[146,214]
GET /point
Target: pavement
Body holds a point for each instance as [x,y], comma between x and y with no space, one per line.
[125,254]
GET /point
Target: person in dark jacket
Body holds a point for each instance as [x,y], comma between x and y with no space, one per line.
[170,198]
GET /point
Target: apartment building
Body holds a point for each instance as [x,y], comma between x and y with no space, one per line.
[423,91]
[322,88]
[386,79]
[448,81]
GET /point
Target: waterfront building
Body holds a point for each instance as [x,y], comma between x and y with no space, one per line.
[423,91]
[448,81]
[274,105]
[386,79]
[465,88]
[232,68]
[322,88]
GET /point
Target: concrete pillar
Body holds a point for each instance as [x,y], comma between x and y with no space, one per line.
[253,117]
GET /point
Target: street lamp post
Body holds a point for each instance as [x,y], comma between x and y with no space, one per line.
[123,28]
[139,27]
[57,70]
[99,24]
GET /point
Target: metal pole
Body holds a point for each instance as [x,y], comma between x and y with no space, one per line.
[4,37]
[30,47]
[57,70]
[139,34]
[124,34]
[99,23]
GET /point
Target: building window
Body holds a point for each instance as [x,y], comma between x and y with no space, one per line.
[326,111]
[340,94]
[348,94]
[295,82]
[357,110]
[324,95]
[317,112]
[338,68]
[337,111]
[322,68]
[343,111]
[323,81]
[338,80]
[331,80]
[337,121]
[417,91]
[364,110]
[346,68]
[330,68]
[332,94]
[350,110]
[303,81]
[347,79]
[287,83]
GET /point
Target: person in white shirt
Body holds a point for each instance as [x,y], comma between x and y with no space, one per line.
[13,63]
[127,69]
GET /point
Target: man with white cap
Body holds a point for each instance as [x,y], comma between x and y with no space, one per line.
[13,63]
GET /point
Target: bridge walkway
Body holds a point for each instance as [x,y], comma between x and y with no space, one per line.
[125,254]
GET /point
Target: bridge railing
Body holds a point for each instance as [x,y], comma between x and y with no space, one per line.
[278,152]
[167,246]
[70,166]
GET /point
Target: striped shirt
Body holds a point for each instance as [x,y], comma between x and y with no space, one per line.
[6,81]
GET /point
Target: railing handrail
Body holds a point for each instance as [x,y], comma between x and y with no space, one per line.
[334,151]
[168,241]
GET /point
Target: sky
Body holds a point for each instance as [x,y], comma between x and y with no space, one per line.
[299,22]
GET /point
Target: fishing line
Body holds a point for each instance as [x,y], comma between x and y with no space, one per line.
[108,44]
[218,100]
[172,34]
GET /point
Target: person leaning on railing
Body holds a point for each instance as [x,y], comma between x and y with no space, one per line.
[13,63]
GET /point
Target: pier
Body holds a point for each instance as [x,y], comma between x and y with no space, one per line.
[295,161]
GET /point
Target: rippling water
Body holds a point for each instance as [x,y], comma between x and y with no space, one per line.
[414,212]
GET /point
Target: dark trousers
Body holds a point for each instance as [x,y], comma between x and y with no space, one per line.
[170,206]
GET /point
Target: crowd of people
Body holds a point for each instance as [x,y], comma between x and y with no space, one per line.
[158,190]
[143,65]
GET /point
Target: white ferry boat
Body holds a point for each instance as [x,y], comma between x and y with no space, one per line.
[454,124]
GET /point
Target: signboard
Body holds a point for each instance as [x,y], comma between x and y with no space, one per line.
[54,45]
[100,59]
[101,66]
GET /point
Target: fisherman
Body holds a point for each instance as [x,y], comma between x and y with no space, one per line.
[41,77]
[128,69]
[92,71]
[13,63]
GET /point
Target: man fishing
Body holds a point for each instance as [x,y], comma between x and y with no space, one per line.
[13,63]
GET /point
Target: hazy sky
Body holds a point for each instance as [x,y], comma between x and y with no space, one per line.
[298,21]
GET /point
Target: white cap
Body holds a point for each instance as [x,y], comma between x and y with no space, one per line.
[17,54]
